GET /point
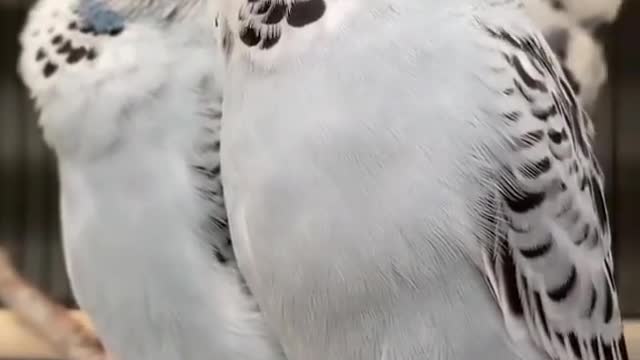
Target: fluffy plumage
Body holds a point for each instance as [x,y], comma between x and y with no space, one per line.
[130,102]
[411,179]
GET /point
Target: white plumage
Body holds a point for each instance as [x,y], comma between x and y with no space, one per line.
[413,179]
[130,102]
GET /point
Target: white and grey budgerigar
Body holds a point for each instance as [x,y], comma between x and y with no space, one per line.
[413,179]
[130,102]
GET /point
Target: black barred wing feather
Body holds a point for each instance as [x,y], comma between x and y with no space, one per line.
[549,262]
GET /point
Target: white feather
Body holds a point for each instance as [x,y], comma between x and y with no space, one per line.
[130,124]
[367,169]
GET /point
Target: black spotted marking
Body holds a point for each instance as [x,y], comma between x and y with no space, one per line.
[115,31]
[538,250]
[575,344]
[49,69]
[544,114]
[563,291]
[73,25]
[88,29]
[276,14]
[92,54]
[77,54]
[272,13]
[522,201]
[57,39]
[249,36]
[558,136]
[541,58]
[303,13]
[40,54]
[262,8]
[65,48]
[509,91]
[533,170]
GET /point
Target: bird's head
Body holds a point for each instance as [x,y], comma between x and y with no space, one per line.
[89,63]
[108,13]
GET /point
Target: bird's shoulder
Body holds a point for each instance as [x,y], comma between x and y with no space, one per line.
[548,257]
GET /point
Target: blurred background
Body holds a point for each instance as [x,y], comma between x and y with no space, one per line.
[591,49]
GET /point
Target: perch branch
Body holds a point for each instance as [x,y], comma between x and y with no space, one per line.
[70,338]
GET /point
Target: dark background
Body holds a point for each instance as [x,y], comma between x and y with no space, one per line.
[29,224]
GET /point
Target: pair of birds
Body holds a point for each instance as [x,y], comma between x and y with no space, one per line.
[403,179]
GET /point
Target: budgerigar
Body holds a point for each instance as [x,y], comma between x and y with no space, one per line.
[130,101]
[413,179]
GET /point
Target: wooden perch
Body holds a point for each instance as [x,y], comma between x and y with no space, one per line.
[35,327]
[69,338]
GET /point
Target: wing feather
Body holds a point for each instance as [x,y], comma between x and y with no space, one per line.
[549,260]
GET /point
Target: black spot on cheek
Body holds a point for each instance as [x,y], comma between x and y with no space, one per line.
[249,36]
[92,54]
[49,69]
[76,54]
[65,48]
[88,29]
[57,39]
[116,31]
[303,13]
[40,55]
